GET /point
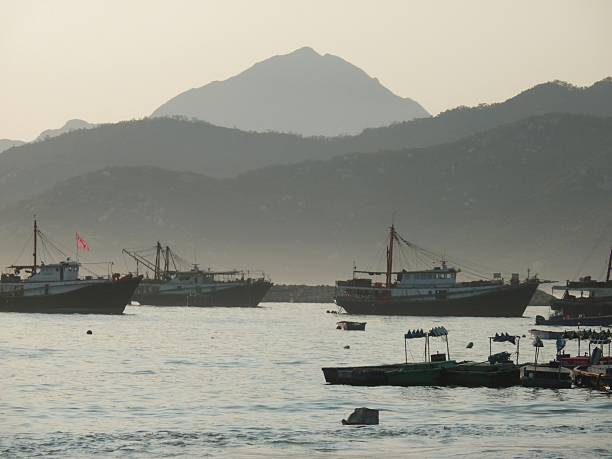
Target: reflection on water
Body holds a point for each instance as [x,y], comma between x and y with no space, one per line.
[238,382]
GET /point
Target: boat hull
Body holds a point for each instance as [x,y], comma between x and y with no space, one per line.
[510,301]
[104,298]
[483,375]
[546,377]
[420,374]
[243,295]
[360,376]
[585,377]
[575,321]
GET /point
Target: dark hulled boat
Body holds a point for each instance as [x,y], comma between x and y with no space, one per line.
[57,288]
[551,375]
[583,302]
[432,292]
[431,372]
[171,286]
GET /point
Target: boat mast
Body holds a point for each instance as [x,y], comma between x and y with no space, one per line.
[390,255]
[157,273]
[167,262]
[34,254]
[609,266]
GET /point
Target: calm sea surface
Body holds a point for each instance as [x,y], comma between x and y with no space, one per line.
[248,382]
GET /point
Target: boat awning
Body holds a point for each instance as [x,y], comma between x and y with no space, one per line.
[438,331]
[504,337]
[415,334]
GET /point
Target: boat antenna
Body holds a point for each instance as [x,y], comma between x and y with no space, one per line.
[609,266]
[390,254]
[35,253]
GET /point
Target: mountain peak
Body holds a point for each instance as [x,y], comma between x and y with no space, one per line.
[70,125]
[301,92]
[305,51]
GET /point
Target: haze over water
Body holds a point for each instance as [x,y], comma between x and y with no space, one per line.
[248,382]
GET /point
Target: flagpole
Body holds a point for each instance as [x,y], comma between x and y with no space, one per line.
[76,240]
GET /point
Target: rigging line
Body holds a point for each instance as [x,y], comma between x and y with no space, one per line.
[606,228]
[48,241]
[23,249]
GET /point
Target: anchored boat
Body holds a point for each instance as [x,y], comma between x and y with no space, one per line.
[432,292]
[58,287]
[595,375]
[552,375]
[427,373]
[172,285]
[583,302]
[498,371]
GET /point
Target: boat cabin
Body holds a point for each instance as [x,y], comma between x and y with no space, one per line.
[437,277]
[63,271]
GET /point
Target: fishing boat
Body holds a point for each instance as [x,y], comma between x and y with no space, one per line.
[172,284]
[582,302]
[551,376]
[595,375]
[348,325]
[592,337]
[58,287]
[432,292]
[431,372]
[546,376]
[498,371]
[427,373]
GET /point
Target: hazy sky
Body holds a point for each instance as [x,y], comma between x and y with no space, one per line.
[106,61]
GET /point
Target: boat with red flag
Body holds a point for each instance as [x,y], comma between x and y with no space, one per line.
[58,287]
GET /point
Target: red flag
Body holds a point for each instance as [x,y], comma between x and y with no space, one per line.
[82,243]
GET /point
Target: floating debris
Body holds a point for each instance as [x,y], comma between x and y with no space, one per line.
[362,416]
[470,345]
[347,347]
[89,332]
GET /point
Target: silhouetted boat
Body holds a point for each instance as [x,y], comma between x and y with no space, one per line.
[498,371]
[432,292]
[551,375]
[431,372]
[57,288]
[171,286]
[584,302]
[596,374]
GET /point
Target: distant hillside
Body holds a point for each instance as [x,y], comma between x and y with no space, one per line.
[71,125]
[552,97]
[222,152]
[301,92]
[161,142]
[5,144]
[535,194]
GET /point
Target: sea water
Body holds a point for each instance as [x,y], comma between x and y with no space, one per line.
[226,382]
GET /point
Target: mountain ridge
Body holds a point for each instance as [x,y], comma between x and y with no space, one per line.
[300,92]
[197,146]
